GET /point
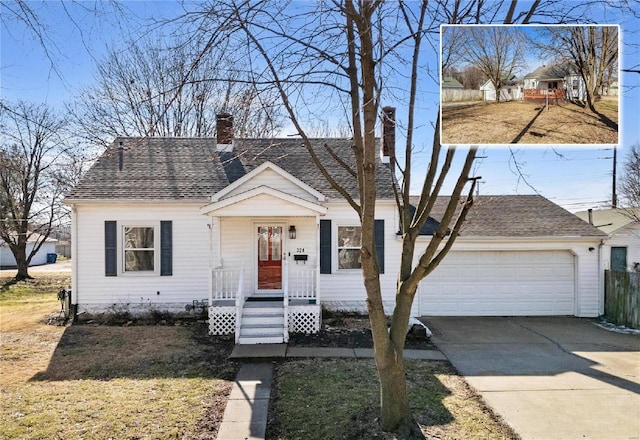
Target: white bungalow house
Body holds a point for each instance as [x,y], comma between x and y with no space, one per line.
[557,77]
[621,248]
[512,90]
[253,229]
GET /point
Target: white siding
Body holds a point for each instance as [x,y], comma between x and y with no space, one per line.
[273,180]
[507,93]
[628,237]
[238,241]
[195,244]
[190,279]
[264,205]
[344,289]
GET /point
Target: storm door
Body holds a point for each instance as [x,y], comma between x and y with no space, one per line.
[269,255]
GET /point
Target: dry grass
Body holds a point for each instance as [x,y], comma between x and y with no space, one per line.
[527,123]
[158,382]
[103,382]
[338,399]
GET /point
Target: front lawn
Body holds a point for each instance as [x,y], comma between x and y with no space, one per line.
[99,382]
[95,381]
[339,398]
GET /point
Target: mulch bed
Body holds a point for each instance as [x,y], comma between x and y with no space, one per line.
[347,330]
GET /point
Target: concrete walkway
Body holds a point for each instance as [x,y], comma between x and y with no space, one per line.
[276,351]
[245,417]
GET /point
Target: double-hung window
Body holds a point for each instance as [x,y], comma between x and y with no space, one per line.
[349,243]
[139,247]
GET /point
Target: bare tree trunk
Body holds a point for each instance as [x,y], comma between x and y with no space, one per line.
[23,267]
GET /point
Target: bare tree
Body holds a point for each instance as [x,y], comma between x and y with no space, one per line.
[591,50]
[344,57]
[34,175]
[497,51]
[339,58]
[22,18]
[471,77]
[155,89]
[630,184]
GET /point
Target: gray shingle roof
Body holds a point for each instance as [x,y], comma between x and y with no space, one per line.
[517,216]
[449,82]
[192,169]
[554,72]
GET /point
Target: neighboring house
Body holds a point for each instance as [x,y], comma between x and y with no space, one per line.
[511,90]
[253,228]
[450,83]
[7,261]
[558,77]
[609,89]
[621,248]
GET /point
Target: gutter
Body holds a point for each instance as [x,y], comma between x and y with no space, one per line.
[72,202]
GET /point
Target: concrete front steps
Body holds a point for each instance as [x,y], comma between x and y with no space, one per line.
[262,322]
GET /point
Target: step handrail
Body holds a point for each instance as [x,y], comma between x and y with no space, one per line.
[239,304]
[285,300]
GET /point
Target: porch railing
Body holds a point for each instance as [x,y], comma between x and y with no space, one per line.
[544,95]
[225,284]
[302,284]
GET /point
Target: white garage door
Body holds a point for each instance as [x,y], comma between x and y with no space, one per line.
[500,284]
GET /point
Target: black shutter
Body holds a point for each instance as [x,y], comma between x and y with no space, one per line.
[166,248]
[325,246]
[378,235]
[110,248]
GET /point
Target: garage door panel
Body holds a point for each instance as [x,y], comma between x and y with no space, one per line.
[501,283]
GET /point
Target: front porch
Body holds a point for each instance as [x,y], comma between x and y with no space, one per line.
[264,236]
[260,318]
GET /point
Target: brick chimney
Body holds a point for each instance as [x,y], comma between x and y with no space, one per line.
[224,132]
[388,141]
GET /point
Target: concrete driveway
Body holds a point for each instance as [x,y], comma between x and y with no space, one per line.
[59,266]
[549,378]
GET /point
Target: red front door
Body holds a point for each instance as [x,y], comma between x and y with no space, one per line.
[269,257]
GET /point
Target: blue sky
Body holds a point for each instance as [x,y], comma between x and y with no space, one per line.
[575,178]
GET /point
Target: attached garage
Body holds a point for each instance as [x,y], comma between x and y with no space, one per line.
[499,283]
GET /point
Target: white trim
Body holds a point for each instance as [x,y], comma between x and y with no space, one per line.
[267,166]
[156,248]
[337,247]
[74,255]
[212,207]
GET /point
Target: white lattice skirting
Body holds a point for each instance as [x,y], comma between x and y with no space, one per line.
[222,320]
[304,319]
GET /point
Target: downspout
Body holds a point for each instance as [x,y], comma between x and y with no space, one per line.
[74,262]
[601,286]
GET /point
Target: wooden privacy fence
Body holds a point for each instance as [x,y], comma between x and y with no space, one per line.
[621,297]
[453,95]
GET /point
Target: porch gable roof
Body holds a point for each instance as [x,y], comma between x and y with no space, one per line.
[262,191]
[268,165]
